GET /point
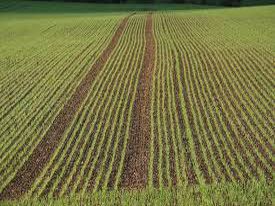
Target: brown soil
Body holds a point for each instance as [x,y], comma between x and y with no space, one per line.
[42,153]
[86,147]
[243,128]
[137,154]
[240,132]
[190,171]
[191,174]
[216,127]
[234,136]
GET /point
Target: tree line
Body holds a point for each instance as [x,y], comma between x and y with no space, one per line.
[209,2]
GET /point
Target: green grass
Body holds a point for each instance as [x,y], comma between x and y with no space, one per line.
[56,54]
[253,193]
[211,102]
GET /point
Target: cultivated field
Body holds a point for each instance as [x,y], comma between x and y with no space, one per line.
[139,105]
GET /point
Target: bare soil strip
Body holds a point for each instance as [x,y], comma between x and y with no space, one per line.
[41,155]
[135,172]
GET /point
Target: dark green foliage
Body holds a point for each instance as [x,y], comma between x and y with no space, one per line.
[257,2]
[205,2]
[231,2]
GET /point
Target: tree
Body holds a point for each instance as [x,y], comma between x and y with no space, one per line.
[232,2]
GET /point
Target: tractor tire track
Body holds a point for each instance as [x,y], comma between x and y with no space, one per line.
[135,174]
[26,176]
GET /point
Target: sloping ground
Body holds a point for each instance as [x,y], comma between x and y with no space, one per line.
[137,153]
[163,100]
[27,174]
[213,109]
[36,83]
[91,153]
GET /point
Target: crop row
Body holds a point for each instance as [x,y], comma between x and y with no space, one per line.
[91,153]
[34,93]
[211,103]
[211,109]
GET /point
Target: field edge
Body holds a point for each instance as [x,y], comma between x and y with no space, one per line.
[250,193]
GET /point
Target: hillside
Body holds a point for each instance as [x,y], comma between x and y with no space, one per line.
[136,104]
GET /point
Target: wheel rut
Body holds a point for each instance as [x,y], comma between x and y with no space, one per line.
[41,155]
[135,174]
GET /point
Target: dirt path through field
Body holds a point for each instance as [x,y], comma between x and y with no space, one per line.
[137,155]
[26,176]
